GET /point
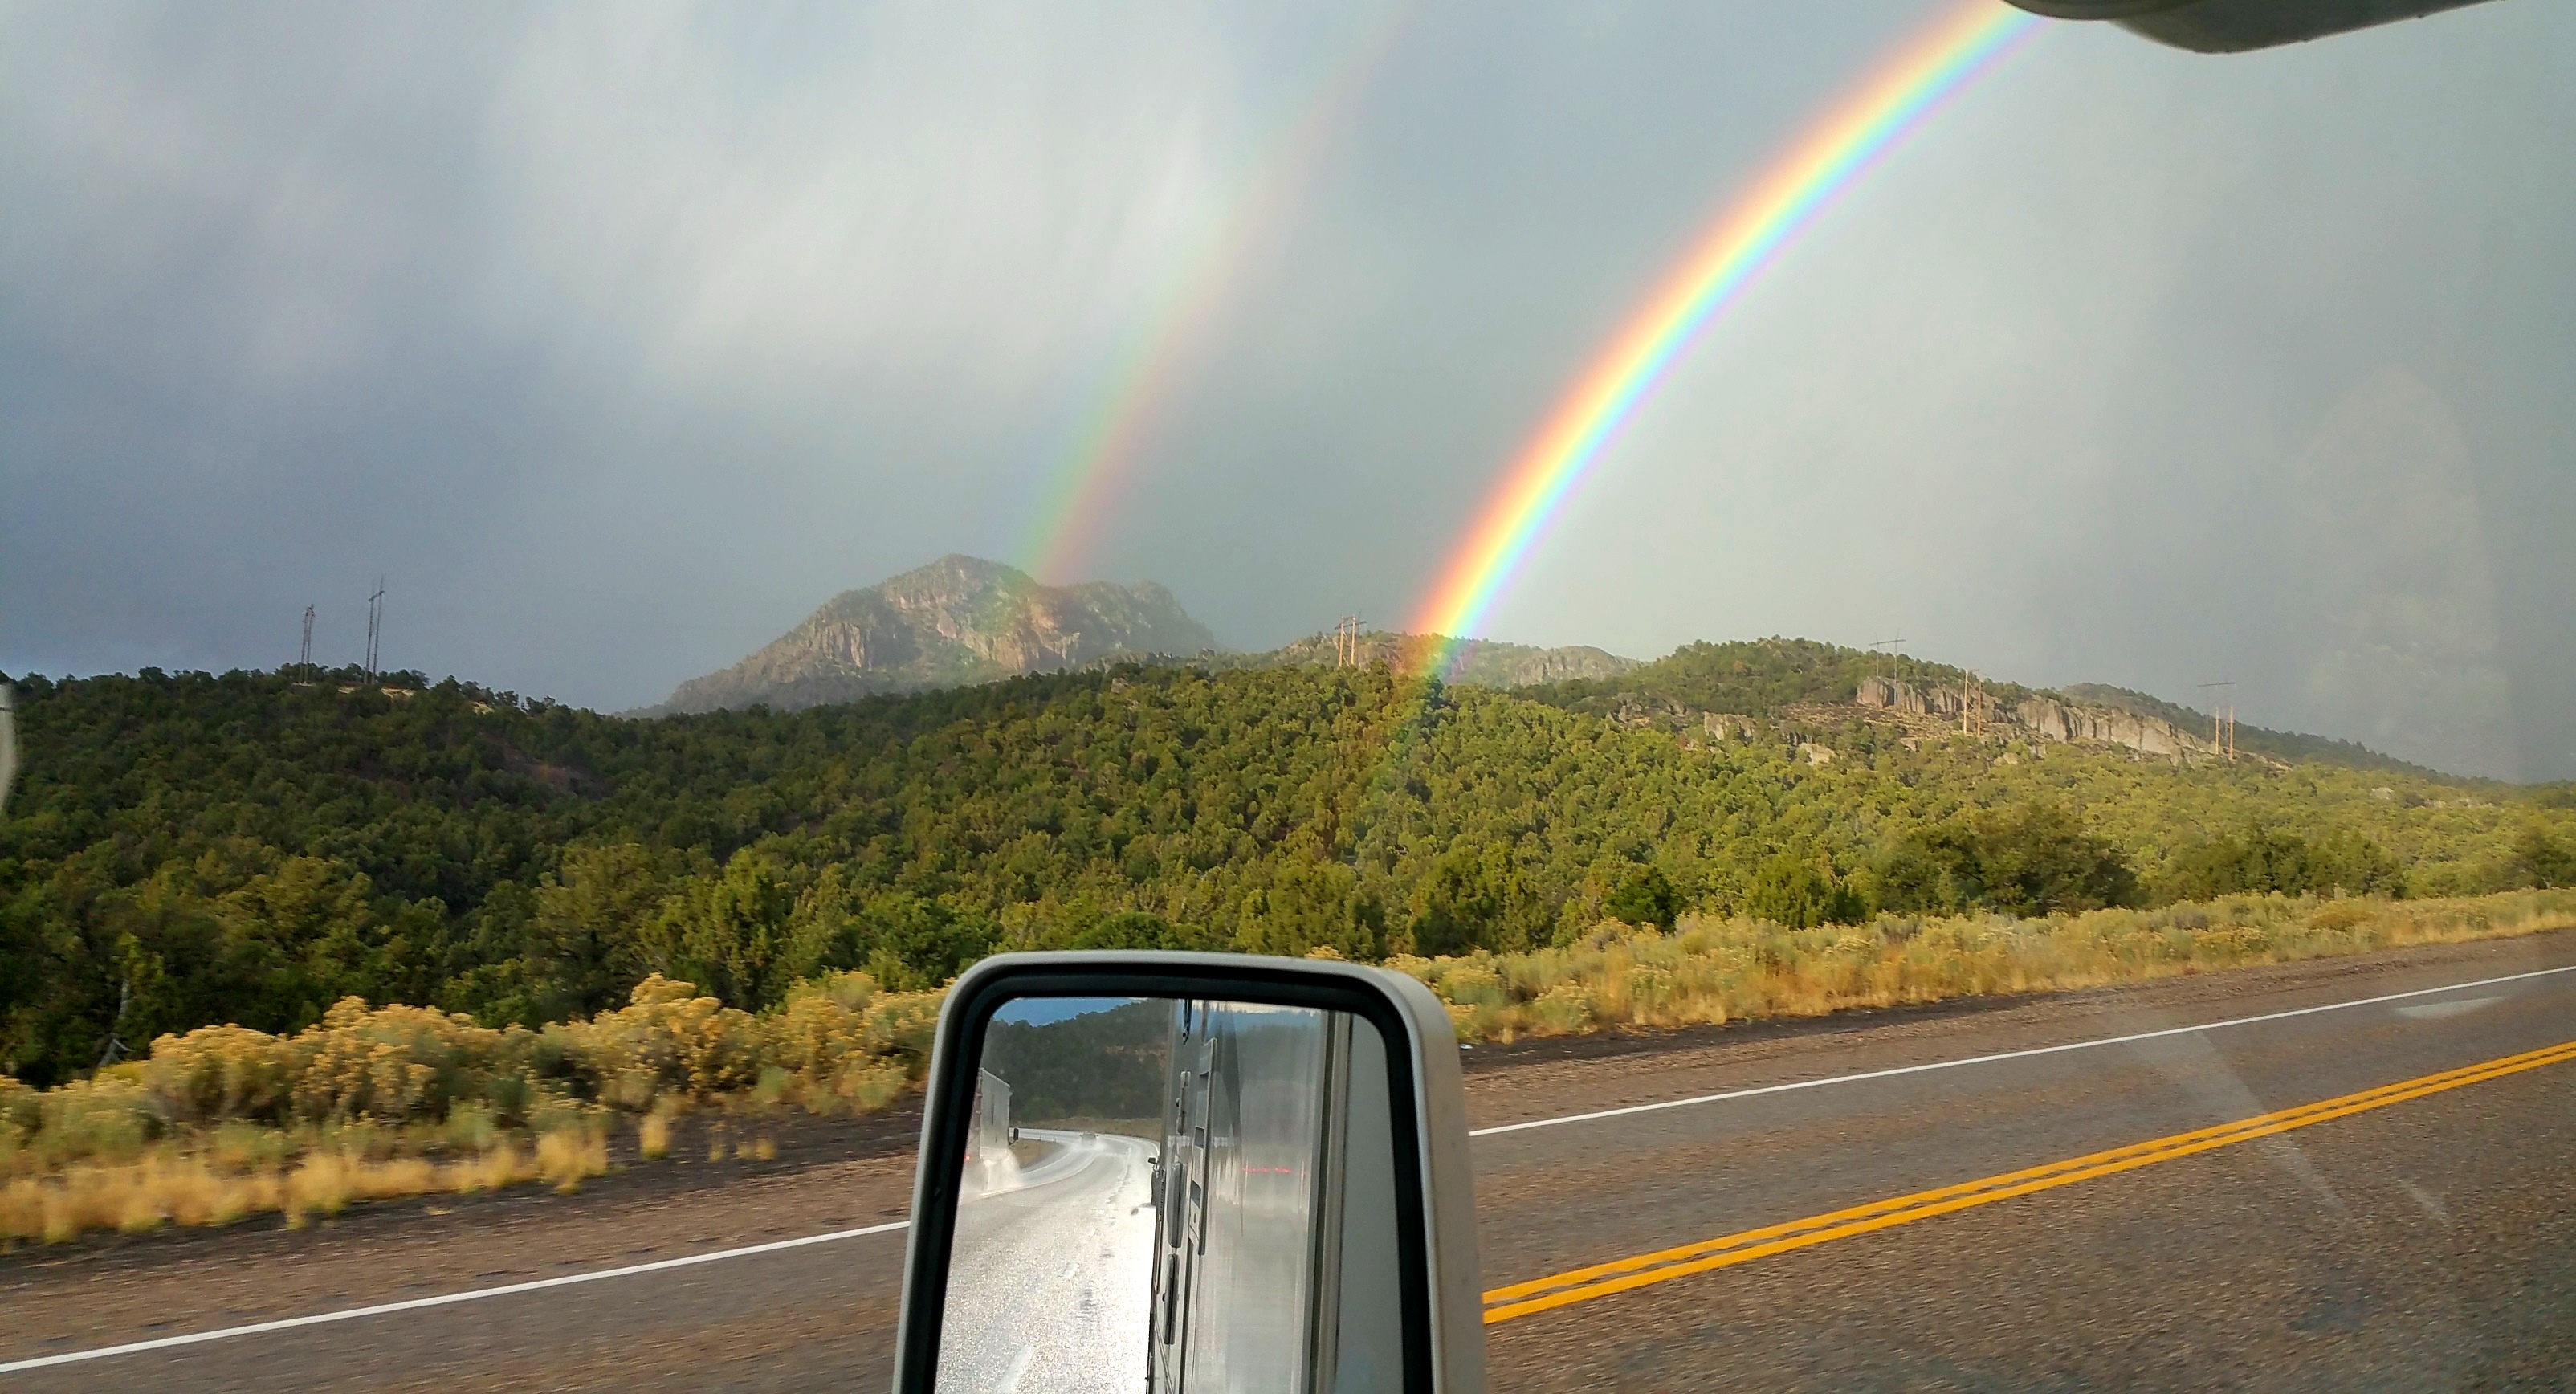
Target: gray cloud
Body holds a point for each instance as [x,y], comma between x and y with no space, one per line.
[619,336]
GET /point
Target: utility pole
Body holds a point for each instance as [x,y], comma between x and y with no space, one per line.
[1972,694]
[1881,650]
[304,656]
[375,625]
[2222,723]
[1346,640]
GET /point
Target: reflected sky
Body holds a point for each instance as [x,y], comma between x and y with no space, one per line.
[1043,1011]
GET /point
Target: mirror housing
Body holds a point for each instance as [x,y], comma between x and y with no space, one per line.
[1434,1232]
[2239,26]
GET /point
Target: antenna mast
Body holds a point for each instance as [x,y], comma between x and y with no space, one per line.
[375,625]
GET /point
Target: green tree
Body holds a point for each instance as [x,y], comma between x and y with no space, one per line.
[1136,929]
[2030,858]
[2037,858]
[2542,860]
[1930,871]
[583,945]
[728,933]
[1645,896]
[2345,862]
[1797,891]
[914,944]
[1475,896]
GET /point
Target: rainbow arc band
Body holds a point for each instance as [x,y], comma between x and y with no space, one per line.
[1664,1265]
[1746,239]
[1079,494]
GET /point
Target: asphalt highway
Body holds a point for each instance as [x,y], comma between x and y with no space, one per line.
[2369,1197]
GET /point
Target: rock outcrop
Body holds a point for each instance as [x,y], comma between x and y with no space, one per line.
[2040,718]
[956,621]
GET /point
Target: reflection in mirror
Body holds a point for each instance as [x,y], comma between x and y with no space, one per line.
[1174,1195]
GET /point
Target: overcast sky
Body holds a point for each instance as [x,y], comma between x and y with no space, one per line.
[620,336]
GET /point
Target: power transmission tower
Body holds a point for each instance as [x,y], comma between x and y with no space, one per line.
[2222,724]
[304,656]
[375,625]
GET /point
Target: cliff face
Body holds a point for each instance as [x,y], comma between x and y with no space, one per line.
[2042,718]
[958,620]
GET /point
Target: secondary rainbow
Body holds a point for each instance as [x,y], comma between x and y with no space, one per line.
[1078,494]
[1747,237]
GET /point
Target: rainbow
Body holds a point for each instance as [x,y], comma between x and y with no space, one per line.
[1745,239]
[1073,504]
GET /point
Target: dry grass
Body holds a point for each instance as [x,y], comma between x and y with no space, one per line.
[372,1103]
[1712,971]
[176,1185]
[653,1136]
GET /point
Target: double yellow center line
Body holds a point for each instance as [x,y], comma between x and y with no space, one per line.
[1664,1265]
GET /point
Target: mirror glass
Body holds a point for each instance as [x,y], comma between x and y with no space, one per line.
[1171,1195]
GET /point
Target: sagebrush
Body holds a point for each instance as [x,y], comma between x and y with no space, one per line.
[223,1122]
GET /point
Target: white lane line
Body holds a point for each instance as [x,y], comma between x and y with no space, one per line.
[1866,1075]
[446,1299]
[2427,1011]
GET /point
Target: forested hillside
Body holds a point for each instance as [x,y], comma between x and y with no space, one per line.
[2285,745]
[186,849]
[1753,677]
[1760,677]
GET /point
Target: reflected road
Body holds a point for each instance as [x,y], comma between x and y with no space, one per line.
[1050,1278]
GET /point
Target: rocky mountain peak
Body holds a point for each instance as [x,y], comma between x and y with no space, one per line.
[955,621]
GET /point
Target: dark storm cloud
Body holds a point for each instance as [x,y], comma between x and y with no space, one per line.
[619,336]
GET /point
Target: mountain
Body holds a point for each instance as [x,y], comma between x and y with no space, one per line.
[961,621]
[958,621]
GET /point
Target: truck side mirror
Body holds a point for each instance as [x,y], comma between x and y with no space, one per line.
[1175,1172]
[2240,26]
